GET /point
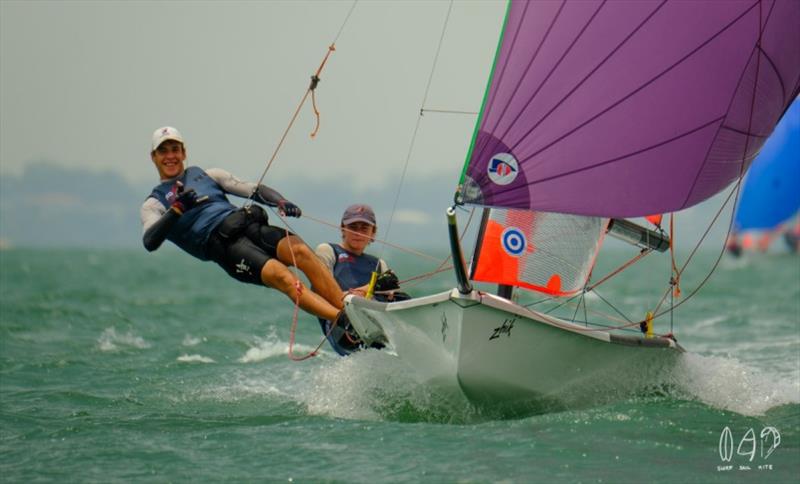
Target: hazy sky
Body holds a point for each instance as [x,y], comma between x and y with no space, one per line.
[84,83]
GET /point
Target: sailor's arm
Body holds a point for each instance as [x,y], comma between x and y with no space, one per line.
[156,223]
[326,255]
[263,194]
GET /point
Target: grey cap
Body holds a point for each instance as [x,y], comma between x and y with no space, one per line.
[358,213]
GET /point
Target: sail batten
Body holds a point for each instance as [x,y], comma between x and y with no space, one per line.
[659,97]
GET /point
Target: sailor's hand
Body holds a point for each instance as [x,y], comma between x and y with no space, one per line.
[387,281]
[185,199]
[288,209]
[359,291]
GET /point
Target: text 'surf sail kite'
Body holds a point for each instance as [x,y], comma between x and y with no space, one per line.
[622,109]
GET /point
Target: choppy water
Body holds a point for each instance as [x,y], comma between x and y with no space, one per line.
[121,365]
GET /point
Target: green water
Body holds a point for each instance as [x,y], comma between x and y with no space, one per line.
[120,366]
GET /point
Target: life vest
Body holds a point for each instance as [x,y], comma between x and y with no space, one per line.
[352,270]
[193,228]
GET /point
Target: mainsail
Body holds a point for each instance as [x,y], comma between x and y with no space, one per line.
[624,109]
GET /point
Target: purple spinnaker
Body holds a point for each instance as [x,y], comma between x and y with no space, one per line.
[623,109]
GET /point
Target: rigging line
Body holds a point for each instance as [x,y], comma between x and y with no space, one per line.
[446,111]
[578,307]
[277,148]
[638,257]
[309,90]
[557,322]
[567,301]
[625,323]
[741,172]
[443,265]
[612,307]
[714,267]
[346,19]
[416,128]
[394,246]
[540,301]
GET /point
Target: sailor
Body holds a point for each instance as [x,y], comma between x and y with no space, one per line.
[191,209]
[352,268]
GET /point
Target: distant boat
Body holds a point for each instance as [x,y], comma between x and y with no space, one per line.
[770,198]
[595,111]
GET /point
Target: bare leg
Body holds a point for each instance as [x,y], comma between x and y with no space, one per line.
[275,274]
[321,278]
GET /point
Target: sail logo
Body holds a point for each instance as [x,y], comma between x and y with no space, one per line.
[503,168]
[514,242]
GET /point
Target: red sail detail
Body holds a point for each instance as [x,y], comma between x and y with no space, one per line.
[655,219]
[497,266]
[494,264]
[554,284]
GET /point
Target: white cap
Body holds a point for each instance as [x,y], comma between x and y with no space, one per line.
[163,134]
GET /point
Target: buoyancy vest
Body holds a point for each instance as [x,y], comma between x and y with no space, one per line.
[193,228]
[352,270]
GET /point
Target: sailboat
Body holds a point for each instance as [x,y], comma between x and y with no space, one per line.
[770,198]
[595,113]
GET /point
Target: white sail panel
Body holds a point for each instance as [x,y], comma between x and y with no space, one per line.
[546,252]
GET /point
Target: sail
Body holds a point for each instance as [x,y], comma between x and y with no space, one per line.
[545,252]
[771,190]
[623,109]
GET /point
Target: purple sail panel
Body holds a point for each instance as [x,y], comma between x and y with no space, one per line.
[622,109]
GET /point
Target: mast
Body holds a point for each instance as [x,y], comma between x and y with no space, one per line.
[464,286]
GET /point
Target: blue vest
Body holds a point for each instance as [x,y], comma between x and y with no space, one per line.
[193,228]
[352,270]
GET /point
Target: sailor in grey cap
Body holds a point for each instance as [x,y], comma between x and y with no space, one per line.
[352,267]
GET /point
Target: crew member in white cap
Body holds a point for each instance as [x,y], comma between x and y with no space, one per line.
[191,209]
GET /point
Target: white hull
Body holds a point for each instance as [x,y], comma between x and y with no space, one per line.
[495,351]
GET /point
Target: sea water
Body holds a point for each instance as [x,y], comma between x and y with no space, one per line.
[118,366]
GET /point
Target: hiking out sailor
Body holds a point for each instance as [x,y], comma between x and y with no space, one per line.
[190,208]
[352,268]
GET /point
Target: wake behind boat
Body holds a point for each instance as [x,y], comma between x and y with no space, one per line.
[595,112]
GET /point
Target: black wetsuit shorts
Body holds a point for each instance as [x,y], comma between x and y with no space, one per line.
[243,242]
